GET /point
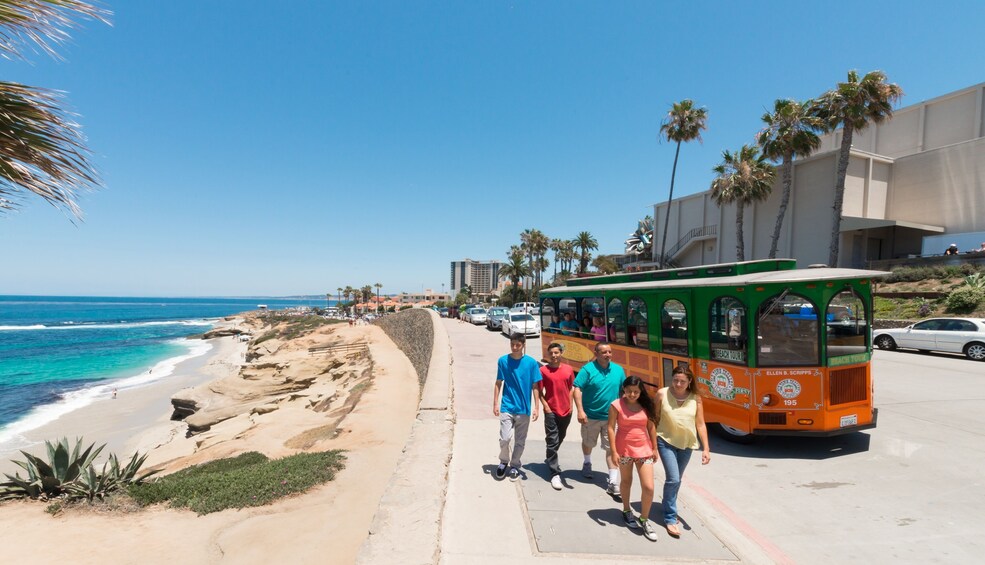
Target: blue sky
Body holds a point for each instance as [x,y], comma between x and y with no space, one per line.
[280,148]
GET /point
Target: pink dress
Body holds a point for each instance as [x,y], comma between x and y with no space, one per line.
[632,440]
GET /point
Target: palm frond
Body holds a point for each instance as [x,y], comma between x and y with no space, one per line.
[44,23]
[42,150]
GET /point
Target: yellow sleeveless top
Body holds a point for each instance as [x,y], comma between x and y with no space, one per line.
[676,425]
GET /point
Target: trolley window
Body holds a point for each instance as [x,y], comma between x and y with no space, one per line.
[727,322]
[568,308]
[638,333]
[847,325]
[787,332]
[549,320]
[616,322]
[673,327]
[592,315]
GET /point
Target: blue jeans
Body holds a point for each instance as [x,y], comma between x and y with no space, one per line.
[674,461]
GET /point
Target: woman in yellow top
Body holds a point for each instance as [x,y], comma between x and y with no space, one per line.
[681,426]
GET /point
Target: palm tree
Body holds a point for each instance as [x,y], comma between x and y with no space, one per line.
[557,246]
[683,123]
[790,132]
[852,105]
[515,269]
[340,294]
[42,149]
[348,291]
[378,287]
[743,178]
[535,244]
[586,243]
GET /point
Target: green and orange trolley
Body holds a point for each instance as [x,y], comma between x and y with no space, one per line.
[776,350]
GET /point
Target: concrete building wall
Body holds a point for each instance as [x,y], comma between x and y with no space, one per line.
[923,168]
[944,187]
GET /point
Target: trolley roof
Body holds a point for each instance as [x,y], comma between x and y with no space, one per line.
[690,280]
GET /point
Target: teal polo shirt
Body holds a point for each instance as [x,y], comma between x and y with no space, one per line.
[599,387]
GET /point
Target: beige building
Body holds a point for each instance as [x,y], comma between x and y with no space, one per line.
[427,295]
[915,184]
[481,276]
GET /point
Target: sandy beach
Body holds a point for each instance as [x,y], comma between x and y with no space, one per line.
[327,524]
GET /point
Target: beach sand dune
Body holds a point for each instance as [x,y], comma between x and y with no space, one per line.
[325,525]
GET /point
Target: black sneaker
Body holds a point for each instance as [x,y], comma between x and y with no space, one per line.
[514,474]
[632,520]
[500,471]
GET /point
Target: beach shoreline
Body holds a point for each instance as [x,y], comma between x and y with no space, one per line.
[136,415]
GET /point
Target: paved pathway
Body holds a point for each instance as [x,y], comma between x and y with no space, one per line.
[489,521]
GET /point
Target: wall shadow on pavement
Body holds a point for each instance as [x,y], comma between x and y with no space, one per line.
[784,447]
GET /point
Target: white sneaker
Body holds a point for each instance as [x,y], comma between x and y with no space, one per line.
[556,482]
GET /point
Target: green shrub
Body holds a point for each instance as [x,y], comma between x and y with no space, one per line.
[244,481]
[975,280]
[965,299]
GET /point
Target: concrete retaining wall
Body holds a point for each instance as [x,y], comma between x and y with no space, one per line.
[407,524]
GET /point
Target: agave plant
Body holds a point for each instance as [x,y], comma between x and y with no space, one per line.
[71,472]
[975,280]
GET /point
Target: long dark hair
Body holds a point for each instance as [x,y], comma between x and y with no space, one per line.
[645,401]
[692,386]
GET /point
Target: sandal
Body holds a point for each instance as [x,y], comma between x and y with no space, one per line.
[673,530]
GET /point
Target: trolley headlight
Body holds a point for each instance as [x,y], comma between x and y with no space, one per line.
[767,399]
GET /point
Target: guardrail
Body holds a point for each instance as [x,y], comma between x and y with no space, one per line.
[344,348]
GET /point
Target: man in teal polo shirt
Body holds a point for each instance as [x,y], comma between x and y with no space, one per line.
[596,386]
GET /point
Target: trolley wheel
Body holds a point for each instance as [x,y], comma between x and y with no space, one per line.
[885,342]
[734,435]
[975,351]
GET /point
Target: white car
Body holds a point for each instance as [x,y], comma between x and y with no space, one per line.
[521,322]
[953,335]
[477,315]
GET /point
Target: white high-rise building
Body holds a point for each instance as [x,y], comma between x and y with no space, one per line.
[481,276]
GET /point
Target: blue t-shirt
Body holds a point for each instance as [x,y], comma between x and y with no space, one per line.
[569,327]
[599,387]
[518,376]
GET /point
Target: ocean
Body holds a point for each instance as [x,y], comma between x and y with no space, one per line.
[59,353]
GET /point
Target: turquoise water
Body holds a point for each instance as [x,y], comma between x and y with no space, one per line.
[60,353]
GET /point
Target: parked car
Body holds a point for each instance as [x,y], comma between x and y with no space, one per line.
[528,307]
[464,308]
[521,322]
[495,317]
[443,312]
[953,335]
[477,315]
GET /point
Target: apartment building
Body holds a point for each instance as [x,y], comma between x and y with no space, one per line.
[481,276]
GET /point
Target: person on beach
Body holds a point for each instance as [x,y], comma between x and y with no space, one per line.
[114,393]
[680,430]
[556,385]
[517,376]
[596,386]
[632,422]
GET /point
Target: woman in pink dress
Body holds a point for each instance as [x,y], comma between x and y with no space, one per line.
[632,422]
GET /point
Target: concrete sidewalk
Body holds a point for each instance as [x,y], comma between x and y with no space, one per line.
[454,511]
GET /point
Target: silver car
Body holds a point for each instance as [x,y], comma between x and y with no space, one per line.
[477,315]
[952,335]
[495,317]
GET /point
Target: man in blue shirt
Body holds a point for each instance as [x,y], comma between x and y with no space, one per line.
[568,325]
[516,378]
[596,386]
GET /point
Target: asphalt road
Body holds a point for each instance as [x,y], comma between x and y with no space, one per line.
[910,491]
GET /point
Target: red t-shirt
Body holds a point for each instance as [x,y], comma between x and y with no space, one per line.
[556,384]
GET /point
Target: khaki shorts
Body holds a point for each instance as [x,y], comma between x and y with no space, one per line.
[592,430]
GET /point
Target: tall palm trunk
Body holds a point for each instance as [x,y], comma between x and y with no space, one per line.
[673,175]
[787,170]
[740,244]
[843,156]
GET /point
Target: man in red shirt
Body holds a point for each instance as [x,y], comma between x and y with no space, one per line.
[556,385]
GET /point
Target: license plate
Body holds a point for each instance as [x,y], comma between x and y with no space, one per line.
[849,420]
